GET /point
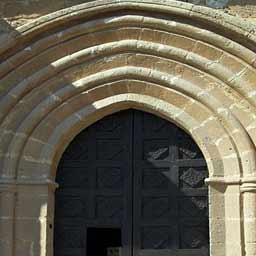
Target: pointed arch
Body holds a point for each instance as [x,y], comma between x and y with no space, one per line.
[188,64]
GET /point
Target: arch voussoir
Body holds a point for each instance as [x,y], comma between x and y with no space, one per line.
[57,77]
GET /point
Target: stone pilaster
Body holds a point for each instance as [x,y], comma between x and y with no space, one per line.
[248,189]
[225,216]
[7,207]
[26,220]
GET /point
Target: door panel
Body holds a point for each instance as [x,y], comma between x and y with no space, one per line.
[167,252]
[95,178]
[138,173]
[170,198]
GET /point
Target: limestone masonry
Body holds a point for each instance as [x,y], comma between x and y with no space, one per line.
[192,65]
[19,12]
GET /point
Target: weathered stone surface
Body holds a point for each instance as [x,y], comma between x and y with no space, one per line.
[64,71]
[19,12]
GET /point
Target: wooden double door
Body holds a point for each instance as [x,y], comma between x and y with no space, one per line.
[132,181]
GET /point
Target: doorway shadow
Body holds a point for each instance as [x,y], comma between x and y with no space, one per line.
[169,197]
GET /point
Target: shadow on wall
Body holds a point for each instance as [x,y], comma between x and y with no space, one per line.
[6,28]
[7,33]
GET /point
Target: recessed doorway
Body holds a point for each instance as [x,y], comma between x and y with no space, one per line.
[103,241]
[135,182]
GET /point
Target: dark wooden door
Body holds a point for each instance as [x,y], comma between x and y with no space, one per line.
[170,213]
[138,173]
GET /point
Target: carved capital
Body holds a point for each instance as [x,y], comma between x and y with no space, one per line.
[11,185]
[223,180]
[247,184]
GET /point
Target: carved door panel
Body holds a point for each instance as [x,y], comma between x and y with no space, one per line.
[170,214]
[138,173]
[95,178]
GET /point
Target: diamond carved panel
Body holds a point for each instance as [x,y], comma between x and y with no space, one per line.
[155,207]
[193,206]
[156,149]
[71,206]
[71,174]
[155,178]
[108,124]
[109,207]
[109,177]
[188,148]
[76,151]
[155,238]
[69,237]
[193,177]
[194,237]
[110,150]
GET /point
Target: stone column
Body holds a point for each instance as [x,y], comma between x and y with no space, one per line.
[7,206]
[33,218]
[26,213]
[50,218]
[217,220]
[233,219]
[225,216]
[248,189]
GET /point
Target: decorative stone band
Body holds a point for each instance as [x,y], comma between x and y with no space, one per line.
[247,184]
[10,185]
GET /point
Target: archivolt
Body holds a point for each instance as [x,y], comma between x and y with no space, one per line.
[58,60]
[193,67]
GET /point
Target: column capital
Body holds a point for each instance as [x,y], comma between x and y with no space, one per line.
[247,184]
[11,185]
[223,180]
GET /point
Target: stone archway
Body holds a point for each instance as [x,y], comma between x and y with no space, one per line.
[190,65]
[135,181]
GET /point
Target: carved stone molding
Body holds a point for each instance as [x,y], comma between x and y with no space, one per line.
[67,70]
[246,184]
[10,185]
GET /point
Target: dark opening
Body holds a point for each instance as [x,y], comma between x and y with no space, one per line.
[101,240]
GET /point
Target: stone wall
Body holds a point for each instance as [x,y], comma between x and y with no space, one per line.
[63,72]
[19,12]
